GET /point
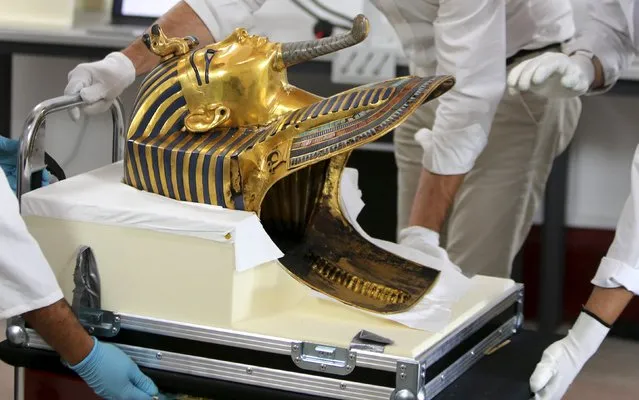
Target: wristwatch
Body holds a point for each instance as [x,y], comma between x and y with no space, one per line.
[597,68]
[585,53]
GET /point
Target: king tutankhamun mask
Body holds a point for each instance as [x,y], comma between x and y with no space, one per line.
[221,125]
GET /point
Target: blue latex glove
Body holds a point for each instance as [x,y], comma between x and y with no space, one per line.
[113,375]
[9,151]
[9,162]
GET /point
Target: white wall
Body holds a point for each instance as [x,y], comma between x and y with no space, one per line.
[600,154]
[599,178]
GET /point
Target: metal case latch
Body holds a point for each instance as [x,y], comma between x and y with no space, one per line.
[322,358]
[98,322]
[87,297]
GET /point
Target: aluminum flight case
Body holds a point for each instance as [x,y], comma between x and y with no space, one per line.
[365,367]
[306,368]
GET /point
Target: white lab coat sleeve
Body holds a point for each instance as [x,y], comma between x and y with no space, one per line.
[221,17]
[26,280]
[470,44]
[608,30]
[620,266]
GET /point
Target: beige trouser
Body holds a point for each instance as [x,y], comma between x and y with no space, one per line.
[495,205]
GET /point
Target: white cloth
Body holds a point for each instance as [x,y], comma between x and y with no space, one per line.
[620,267]
[26,281]
[562,360]
[99,196]
[434,311]
[468,39]
[608,30]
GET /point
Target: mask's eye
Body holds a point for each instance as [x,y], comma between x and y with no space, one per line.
[208,56]
[210,53]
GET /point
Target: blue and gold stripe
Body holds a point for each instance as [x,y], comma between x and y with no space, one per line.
[156,77]
[191,167]
[334,136]
[341,102]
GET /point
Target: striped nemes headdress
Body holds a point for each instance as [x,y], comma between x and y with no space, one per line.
[221,125]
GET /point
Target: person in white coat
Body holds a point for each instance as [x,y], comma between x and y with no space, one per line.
[486,187]
[29,288]
[602,49]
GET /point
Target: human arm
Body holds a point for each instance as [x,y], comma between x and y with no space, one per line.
[100,82]
[60,328]
[563,360]
[208,20]
[470,43]
[592,62]
[180,21]
[616,282]
[28,287]
[106,369]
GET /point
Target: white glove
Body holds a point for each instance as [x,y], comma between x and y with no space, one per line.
[553,75]
[100,82]
[562,360]
[424,240]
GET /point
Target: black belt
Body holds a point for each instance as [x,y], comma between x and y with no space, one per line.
[523,53]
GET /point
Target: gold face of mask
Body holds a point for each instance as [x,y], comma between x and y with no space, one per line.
[221,125]
[236,82]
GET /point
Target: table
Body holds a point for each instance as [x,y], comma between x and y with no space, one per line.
[83,43]
[502,375]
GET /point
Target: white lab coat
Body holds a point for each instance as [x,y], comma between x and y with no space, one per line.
[606,28]
[620,266]
[26,280]
[609,30]
[468,39]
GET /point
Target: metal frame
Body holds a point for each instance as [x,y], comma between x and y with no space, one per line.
[32,139]
[302,383]
[278,345]
[455,370]
[246,374]
[410,373]
[18,383]
[464,331]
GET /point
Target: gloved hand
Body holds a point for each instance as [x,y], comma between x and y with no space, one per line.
[9,149]
[424,240]
[553,75]
[562,360]
[113,375]
[100,82]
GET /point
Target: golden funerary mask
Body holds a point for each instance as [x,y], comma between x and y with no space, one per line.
[221,125]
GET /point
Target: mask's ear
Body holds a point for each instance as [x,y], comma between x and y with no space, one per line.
[206,118]
[350,119]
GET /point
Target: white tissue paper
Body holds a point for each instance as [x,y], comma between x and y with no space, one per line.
[433,311]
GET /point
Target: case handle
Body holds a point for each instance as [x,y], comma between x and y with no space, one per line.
[31,148]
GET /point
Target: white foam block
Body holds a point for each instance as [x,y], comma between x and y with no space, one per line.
[100,197]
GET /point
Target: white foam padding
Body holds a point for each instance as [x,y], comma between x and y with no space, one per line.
[99,196]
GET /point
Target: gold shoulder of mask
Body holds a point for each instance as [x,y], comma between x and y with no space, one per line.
[222,125]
